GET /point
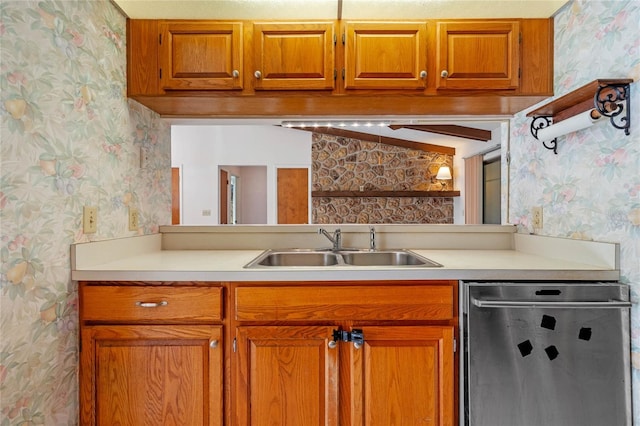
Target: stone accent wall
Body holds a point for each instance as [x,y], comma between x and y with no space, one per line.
[345,164]
[382,210]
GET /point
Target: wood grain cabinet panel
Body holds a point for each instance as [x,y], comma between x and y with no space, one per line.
[403,376]
[200,55]
[151,375]
[288,376]
[294,55]
[385,55]
[338,303]
[478,55]
[159,304]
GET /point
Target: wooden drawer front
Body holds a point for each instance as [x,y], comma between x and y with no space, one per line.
[151,304]
[334,303]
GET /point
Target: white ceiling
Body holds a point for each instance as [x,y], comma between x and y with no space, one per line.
[329,9]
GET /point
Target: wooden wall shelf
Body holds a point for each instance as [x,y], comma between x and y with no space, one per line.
[577,101]
[431,194]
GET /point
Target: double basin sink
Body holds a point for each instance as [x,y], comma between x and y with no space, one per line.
[344,257]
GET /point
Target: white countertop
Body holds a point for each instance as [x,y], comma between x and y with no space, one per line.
[151,263]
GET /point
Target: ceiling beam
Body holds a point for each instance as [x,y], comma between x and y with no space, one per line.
[380,139]
[448,130]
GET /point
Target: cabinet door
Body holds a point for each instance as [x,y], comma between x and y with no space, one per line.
[478,55]
[385,55]
[200,55]
[294,55]
[151,375]
[403,376]
[286,376]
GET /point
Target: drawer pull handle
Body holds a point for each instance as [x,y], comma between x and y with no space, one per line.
[152,304]
[213,344]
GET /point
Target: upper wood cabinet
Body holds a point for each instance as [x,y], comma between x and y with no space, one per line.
[293,55]
[478,55]
[439,67]
[200,55]
[385,55]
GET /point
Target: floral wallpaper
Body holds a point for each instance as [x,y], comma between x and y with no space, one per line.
[70,138]
[591,189]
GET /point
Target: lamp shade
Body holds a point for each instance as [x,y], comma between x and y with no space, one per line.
[444,173]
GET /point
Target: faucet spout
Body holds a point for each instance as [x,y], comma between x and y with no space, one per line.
[335,238]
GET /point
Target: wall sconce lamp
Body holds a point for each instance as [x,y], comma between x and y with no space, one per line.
[611,99]
[444,173]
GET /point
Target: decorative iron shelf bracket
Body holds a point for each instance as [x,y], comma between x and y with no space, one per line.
[540,122]
[614,101]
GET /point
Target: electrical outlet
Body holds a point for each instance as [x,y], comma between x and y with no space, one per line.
[536,221]
[89,220]
[145,157]
[134,218]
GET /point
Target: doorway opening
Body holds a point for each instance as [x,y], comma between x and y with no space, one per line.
[246,203]
[491,183]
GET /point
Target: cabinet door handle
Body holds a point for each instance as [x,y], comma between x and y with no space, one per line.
[444,74]
[213,344]
[152,304]
[235,73]
[423,74]
[257,75]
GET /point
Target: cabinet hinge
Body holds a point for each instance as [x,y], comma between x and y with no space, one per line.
[335,74]
[455,346]
[344,38]
[335,39]
[160,73]
[519,72]
[520,38]
[235,344]
[343,73]
[159,38]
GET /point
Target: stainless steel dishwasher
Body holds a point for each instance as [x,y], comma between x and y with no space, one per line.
[546,354]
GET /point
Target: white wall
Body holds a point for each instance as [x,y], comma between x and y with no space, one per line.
[499,136]
[199,150]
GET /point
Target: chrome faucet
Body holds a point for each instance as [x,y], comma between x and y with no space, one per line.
[372,238]
[336,238]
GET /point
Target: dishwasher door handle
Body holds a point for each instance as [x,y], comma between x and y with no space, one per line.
[491,303]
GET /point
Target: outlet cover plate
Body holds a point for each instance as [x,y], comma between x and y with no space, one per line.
[134,219]
[89,219]
[536,220]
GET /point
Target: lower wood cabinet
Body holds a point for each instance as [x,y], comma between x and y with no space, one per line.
[402,376]
[151,375]
[298,376]
[344,354]
[286,376]
[323,354]
[151,355]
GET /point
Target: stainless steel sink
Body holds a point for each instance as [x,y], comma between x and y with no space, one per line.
[290,258]
[327,258]
[387,258]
